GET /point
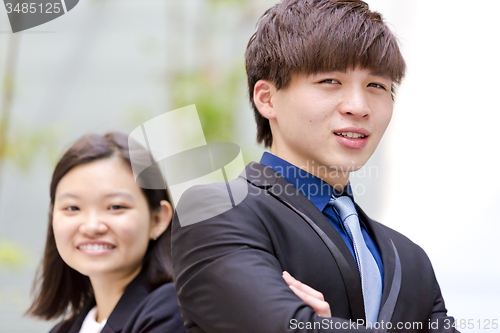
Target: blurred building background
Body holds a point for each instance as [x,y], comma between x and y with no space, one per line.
[111,65]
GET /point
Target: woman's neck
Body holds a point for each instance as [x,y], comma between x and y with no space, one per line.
[108,289]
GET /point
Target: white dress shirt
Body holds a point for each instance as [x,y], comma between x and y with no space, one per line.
[90,325]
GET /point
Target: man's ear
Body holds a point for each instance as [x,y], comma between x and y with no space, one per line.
[161,220]
[263,93]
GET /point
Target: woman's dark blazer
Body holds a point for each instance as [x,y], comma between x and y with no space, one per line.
[137,311]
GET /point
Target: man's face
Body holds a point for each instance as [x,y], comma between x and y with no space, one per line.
[315,113]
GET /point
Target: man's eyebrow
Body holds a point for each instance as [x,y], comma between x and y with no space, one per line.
[344,70]
[380,74]
[340,70]
[327,71]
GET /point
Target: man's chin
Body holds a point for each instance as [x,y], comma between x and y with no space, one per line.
[346,166]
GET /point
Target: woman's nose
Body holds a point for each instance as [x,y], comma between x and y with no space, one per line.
[93,225]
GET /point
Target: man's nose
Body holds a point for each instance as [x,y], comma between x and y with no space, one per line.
[93,224]
[355,103]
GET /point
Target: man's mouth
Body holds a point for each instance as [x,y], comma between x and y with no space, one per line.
[351,135]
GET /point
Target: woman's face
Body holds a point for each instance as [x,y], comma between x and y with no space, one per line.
[101,220]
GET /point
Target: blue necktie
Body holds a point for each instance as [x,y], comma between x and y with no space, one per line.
[371,282]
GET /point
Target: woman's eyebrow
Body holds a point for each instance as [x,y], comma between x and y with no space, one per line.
[119,194]
[68,195]
[108,195]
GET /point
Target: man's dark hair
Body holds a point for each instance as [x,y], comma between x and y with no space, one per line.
[313,36]
[61,290]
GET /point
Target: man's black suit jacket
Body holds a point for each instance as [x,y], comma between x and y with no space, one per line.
[229,268]
[138,311]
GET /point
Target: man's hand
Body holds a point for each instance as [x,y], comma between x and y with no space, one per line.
[309,295]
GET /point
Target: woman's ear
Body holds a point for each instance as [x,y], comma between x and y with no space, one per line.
[160,220]
[263,94]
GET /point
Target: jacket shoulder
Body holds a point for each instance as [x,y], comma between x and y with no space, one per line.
[158,312]
[203,202]
[163,298]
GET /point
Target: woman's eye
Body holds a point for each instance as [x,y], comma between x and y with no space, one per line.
[117,207]
[72,208]
[376,85]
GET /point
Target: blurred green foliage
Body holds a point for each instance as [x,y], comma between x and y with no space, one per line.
[136,115]
[20,149]
[216,95]
[25,144]
[11,255]
[218,87]
[19,145]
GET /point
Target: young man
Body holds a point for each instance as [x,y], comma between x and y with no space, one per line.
[321,77]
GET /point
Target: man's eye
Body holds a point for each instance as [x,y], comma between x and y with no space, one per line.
[72,208]
[377,85]
[330,81]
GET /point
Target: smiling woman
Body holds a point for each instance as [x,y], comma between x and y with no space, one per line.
[107,255]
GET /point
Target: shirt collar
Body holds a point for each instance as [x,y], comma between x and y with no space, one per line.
[313,188]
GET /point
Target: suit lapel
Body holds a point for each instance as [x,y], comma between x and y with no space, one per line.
[75,325]
[134,293]
[265,177]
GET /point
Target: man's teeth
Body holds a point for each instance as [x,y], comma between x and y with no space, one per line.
[95,247]
[351,135]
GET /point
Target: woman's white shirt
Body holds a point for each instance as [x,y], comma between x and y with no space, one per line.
[90,325]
